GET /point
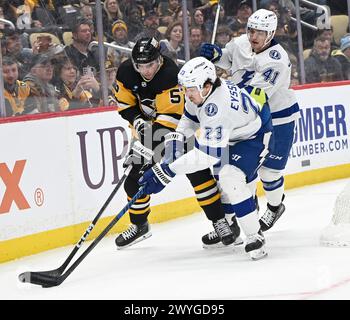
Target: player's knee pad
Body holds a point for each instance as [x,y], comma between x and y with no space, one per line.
[233,186]
[271,179]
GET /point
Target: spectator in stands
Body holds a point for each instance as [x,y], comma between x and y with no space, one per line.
[343,55]
[79,51]
[179,16]
[45,12]
[223,35]
[166,11]
[244,11]
[74,92]
[112,10]
[16,92]
[39,79]
[320,66]
[196,41]
[111,13]
[172,46]
[327,34]
[111,75]
[151,25]
[134,23]
[199,21]
[87,12]
[120,36]
[13,47]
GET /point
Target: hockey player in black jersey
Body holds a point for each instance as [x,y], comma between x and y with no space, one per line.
[151,100]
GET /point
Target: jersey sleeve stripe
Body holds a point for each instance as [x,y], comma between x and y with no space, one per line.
[286,112]
[191,117]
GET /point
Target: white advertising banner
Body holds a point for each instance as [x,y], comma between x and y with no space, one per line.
[58,171]
[322,134]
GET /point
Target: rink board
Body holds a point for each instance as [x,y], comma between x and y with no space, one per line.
[57,170]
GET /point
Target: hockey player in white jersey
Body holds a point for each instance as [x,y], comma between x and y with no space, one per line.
[235,135]
[256,59]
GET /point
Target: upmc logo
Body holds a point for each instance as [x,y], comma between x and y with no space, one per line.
[118,151]
[13,192]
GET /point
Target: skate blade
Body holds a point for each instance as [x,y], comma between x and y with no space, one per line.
[144,237]
[238,241]
[258,254]
[220,245]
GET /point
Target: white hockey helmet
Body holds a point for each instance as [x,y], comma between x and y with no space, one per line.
[264,20]
[195,72]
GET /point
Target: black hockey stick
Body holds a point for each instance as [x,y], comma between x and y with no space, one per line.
[26,276]
[46,279]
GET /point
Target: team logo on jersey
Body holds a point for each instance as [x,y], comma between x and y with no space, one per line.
[143,84]
[274,54]
[211,109]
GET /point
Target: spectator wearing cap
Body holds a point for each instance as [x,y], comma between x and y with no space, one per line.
[16,92]
[151,25]
[13,47]
[111,75]
[74,92]
[244,11]
[39,79]
[320,66]
[79,51]
[172,46]
[343,55]
[120,37]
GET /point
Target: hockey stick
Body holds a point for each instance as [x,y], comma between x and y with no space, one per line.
[46,279]
[27,276]
[216,21]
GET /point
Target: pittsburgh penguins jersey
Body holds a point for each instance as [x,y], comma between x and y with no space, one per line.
[160,99]
[16,99]
[269,70]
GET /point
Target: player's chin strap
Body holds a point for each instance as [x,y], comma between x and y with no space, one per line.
[207,95]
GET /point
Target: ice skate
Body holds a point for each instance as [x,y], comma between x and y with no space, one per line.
[134,234]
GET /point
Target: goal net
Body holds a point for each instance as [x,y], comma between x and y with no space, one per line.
[337,234]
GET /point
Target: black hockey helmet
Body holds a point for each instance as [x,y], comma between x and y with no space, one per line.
[145,50]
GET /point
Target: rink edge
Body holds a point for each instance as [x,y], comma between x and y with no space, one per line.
[39,242]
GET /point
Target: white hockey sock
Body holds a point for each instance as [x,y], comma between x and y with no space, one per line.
[249,223]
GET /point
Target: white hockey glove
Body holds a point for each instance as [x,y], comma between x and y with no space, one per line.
[174,145]
[138,155]
[141,126]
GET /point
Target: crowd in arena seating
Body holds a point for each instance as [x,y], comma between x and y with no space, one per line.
[50,61]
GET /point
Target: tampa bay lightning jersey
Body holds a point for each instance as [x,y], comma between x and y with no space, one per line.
[227,116]
[269,70]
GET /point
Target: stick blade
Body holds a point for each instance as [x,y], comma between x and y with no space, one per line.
[46,279]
